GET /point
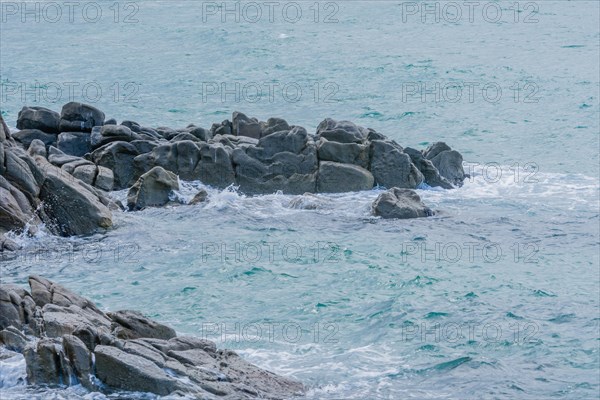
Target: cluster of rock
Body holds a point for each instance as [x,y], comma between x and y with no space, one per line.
[67,340]
[79,151]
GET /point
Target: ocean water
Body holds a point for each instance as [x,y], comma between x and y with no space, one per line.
[497,296]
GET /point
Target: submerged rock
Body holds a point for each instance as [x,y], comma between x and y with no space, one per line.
[83,346]
[401,204]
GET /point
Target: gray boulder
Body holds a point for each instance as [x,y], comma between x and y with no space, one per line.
[285,161]
[391,167]
[401,204]
[347,153]
[152,189]
[245,126]
[450,165]
[26,136]
[430,172]
[274,125]
[111,133]
[337,178]
[341,131]
[129,324]
[69,207]
[37,148]
[74,143]
[38,118]
[118,157]
[434,149]
[79,117]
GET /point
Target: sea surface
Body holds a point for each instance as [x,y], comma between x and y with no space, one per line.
[495,297]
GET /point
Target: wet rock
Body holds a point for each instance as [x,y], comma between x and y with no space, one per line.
[202,134]
[391,167]
[338,178]
[401,204]
[274,125]
[199,197]
[152,189]
[13,339]
[38,118]
[80,359]
[434,149]
[69,207]
[79,117]
[430,172]
[450,165]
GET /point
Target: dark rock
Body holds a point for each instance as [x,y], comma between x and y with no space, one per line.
[430,173]
[74,143]
[199,197]
[69,208]
[185,136]
[26,136]
[274,125]
[111,121]
[202,134]
[450,165]
[347,153]
[341,131]
[118,157]
[112,133]
[121,370]
[129,324]
[337,178]
[13,339]
[38,118]
[215,167]
[78,117]
[434,149]
[391,167]
[152,189]
[401,204]
[245,126]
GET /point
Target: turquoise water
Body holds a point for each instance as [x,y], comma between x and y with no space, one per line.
[496,296]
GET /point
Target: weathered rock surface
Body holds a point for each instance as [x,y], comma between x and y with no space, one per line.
[400,203]
[338,178]
[79,117]
[152,189]
[38,118]
[69,333]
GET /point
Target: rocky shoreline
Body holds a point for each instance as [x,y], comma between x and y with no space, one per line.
[66,340]
[58,167]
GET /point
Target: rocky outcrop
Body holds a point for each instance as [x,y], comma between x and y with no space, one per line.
[66,340]
[152,189]
[33,190]
[259,157]
[401,204]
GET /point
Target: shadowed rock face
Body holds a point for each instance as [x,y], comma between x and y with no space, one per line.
[61,334]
